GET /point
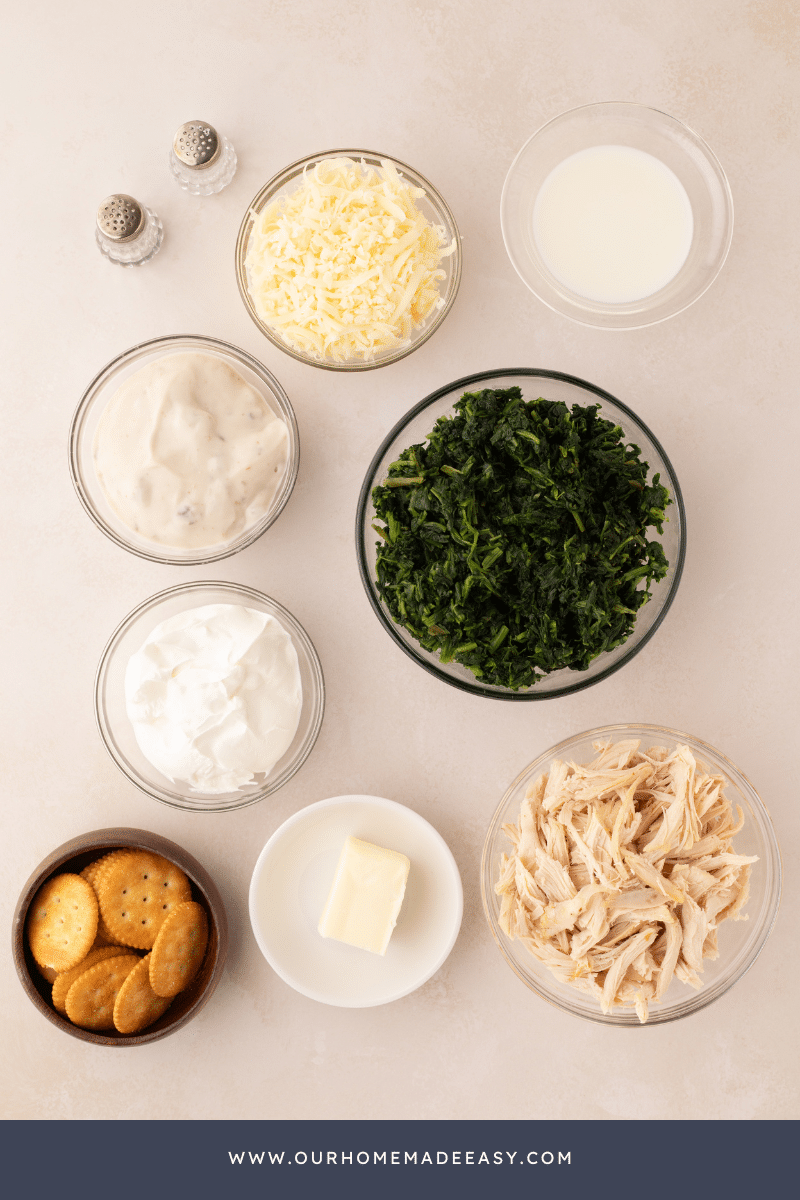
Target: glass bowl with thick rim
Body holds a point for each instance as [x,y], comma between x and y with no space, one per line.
[415,427]
[740,942]
[639,127]
[433,207]
[116,729]
[92,405]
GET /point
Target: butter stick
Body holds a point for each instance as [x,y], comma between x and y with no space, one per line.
[366,896]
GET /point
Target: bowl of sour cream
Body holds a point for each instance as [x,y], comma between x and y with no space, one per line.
[209,696]
[617,215]
[184,450]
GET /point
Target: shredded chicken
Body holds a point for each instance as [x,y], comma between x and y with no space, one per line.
[622,871]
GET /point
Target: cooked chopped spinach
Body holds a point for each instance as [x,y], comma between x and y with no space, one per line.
[514,539]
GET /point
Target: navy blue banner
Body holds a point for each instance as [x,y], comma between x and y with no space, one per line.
[201,1160]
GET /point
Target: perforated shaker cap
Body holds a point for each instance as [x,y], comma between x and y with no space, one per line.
[197,145]
[120,218]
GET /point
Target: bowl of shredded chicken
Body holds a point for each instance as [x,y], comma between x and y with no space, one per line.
[631,875]
[348,260]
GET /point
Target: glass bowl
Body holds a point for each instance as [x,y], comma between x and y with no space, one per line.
[642,128]
[116,729]
[740,942]
[415,427]
[88,414]
[433,207]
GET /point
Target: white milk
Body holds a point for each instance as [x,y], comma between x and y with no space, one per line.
[613,224]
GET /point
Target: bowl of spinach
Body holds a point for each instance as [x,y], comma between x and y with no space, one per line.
[521,534]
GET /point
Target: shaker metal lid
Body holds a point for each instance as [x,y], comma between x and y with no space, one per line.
[120,218]
[196,144]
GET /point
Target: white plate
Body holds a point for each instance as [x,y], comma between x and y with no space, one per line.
[291,882]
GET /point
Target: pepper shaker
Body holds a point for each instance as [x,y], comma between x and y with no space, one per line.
[202,161]
[127,232]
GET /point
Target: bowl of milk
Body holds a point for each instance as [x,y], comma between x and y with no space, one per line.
[617,215]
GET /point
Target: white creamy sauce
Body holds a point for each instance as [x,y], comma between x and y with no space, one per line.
[613,224]
[188,453]
[214,696]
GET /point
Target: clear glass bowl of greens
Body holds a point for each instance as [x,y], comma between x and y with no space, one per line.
[561,598]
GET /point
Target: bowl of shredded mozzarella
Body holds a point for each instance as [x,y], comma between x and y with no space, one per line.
[348,260]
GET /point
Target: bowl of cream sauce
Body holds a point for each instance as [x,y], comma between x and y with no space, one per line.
[184,450]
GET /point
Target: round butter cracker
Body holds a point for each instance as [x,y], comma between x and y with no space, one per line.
[137,1005]
[179,949]
[95,869]
[62,922]
[65,980]
[90,1000]
[91,873]
[137,891]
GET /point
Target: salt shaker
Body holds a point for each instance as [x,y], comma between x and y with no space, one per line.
[202,161]
[127,232]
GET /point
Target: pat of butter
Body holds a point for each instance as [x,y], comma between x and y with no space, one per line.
[366,895]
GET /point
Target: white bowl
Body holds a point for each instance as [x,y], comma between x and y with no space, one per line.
[291,882]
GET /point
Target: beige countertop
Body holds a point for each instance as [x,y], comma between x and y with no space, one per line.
[454,88]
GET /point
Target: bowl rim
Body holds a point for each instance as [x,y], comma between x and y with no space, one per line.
[303,814]
[103,840]
[641,320]
[279,402]
[279,180]
[292,626]
[696,1000]
[364,497]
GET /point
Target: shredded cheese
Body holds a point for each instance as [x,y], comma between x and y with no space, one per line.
[347,266]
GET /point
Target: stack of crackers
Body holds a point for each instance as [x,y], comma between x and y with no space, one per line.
[84,932]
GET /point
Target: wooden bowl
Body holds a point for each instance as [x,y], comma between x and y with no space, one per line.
[73,856]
